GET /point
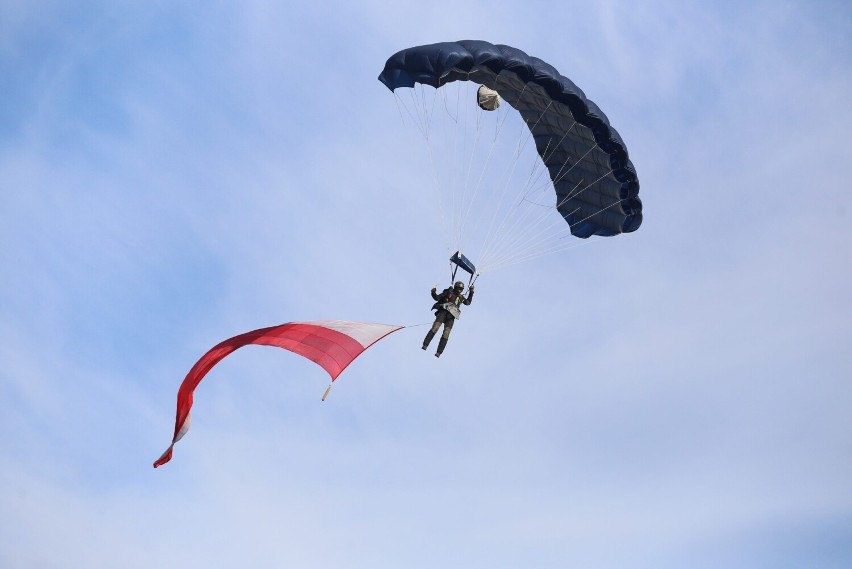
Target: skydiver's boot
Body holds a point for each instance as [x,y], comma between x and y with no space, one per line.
[429,335]
[442,343]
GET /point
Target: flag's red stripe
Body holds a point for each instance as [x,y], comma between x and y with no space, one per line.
[331,349]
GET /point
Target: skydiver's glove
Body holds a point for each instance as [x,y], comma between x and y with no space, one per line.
[470,288]
[435,287]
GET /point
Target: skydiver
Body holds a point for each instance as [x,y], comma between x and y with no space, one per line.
[448,308]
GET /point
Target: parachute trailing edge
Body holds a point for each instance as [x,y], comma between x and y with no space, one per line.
[333,344]
[595,182]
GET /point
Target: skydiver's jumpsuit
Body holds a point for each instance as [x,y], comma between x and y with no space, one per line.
[443,316]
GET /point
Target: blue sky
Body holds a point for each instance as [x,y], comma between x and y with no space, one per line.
[173,175]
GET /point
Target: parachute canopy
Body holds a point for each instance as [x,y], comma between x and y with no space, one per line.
[596,184]
[331,344]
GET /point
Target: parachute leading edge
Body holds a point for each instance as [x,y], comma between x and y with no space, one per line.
[333,344]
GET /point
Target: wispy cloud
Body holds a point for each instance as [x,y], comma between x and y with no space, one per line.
[170,177]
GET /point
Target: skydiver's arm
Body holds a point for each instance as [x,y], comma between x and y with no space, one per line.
[469,298]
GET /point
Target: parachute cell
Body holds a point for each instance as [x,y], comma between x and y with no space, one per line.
[332,344]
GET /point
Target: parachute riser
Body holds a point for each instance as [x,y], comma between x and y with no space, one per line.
[470,281]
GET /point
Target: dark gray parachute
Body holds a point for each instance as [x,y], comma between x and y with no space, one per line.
[596,185]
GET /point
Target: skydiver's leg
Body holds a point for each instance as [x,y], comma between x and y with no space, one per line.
[431,333]
[442,343]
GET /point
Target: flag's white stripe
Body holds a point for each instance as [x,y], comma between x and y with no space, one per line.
[363,333]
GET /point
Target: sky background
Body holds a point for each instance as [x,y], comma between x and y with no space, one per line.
[173,174]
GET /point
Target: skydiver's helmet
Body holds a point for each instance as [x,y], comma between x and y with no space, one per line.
[458,287]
